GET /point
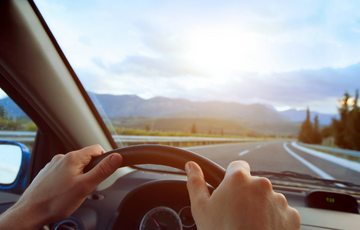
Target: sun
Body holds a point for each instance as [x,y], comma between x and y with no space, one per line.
[223,51]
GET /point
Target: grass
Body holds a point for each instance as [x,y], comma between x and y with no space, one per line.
[204,126]
[142,132]
[17,125]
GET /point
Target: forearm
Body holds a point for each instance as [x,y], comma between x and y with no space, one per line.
[21,217]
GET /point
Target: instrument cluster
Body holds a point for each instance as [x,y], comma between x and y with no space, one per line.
[163,204]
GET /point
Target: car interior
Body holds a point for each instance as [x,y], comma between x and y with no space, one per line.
[36,75]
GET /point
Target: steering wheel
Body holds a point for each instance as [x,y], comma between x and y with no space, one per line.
[164,155]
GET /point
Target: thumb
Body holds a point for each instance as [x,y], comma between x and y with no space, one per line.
[104,169]
[196,185]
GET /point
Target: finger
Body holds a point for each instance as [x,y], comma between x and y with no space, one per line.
[281,200]
[103,169]
[198,190]
[294,217]
[235,166]
[55,159]
[84,155]
[93,151]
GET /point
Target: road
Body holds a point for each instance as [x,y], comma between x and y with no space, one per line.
[277,157]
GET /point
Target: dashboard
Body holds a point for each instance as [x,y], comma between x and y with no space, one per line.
[141,199]
[154,200]
[136,198]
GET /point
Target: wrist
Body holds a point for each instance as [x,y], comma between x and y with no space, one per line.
[22,216]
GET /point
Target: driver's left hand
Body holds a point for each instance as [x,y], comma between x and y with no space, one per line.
[59,189]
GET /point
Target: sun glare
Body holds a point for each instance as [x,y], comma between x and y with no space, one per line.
[223,51]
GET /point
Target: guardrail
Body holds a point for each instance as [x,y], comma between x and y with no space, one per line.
[127,140]
[344,153]
[19,136]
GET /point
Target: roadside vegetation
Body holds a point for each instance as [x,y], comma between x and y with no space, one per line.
[145,132]
[309,132]
[148,132]
[18,124]
[212,127]
[345,131]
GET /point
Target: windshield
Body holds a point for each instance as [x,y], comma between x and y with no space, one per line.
[270,82]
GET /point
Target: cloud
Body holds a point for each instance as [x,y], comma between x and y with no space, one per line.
[319,88]
[161,40]
[164,59]
[143,66]
[309,85]
[85,40]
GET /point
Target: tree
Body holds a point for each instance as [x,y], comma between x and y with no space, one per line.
[316,136]
[193,128]
[355,115]
[305,134]
[341,126]
[347,129]
[352,129]
[2,112]
[327,131]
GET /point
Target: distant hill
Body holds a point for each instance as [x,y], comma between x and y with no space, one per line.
[124,106]
[134,106]
[300,116]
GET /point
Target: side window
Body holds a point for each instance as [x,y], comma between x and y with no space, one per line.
[15,125]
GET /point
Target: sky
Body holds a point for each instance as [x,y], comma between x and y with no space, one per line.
[289,54]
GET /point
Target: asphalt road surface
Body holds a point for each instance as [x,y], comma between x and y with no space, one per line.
[277,157]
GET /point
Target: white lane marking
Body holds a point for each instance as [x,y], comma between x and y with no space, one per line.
[336,160]
[311,166]
[217,145]
[259,146]
[211,146]
[244,152]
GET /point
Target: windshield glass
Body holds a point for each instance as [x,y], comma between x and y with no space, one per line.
[270,82]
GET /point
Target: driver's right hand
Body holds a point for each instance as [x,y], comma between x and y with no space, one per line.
[241,201]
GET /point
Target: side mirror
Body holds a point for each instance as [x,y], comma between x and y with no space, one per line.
[14,163]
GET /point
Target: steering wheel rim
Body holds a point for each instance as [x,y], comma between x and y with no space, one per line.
[164,155]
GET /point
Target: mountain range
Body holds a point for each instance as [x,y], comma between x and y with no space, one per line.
[133,106]
[300,115]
